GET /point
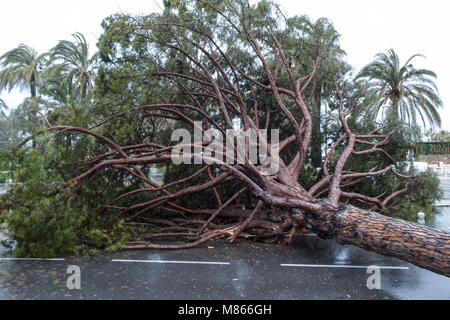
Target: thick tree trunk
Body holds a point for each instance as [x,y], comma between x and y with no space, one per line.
[423,246]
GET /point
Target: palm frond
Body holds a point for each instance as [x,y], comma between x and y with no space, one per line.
[409,90]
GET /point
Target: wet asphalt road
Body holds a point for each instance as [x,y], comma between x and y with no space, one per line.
[248,271]
[242,270]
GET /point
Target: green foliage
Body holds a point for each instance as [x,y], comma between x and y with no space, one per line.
[3,107]
[309,176]
[440,136]
[423,189]
[47,223]
[41,225]
[408,93]
[4,273]
[423,193]
[72,66]
[22,69]
[4,165]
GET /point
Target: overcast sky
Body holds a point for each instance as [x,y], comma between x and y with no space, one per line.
[366,28]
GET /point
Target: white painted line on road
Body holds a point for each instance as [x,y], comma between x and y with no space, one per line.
[173,262]
[340,266]
[31,259]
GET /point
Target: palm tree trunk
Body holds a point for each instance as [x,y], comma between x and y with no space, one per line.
[83,91]
[84,85]
[33,93]
[33,90]
[393,112]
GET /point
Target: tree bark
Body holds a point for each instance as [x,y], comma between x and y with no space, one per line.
[423,246]
[33,90]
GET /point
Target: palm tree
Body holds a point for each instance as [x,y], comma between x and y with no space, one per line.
[22,68]
[331,63]
[318,38]
[402,89]
[75,64]
[3,107]
[61,92]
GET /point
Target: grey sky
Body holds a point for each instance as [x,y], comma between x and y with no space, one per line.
[367,27]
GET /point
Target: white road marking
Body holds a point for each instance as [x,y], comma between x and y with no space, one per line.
[173,262]
[340,266]
[31,259]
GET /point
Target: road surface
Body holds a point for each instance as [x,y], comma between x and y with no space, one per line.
[308,268]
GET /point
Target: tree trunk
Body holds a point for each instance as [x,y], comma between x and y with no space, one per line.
[83,90]
[423,246]
[316,143]
[33,90]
